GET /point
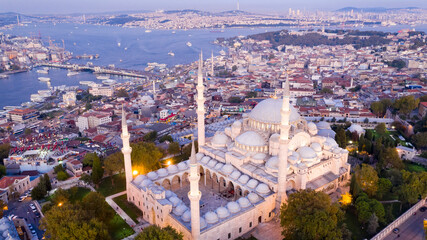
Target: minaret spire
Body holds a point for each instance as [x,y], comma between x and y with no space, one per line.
[200,104]
[284,141]
[212,66]
[126,150]
[194,195]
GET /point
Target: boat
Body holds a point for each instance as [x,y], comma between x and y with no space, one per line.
[3,76]
[109,82]
[173,32]
[36,98]
[189,44]
[119,44]
[42,71]
[102,77]
[44,79]
[72,73]
[148,31]
[86,83]
[171,53]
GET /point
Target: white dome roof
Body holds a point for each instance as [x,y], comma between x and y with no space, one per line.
[236,174]
[182,166]
[199,156]
[316,147]
[145,183]
[4,226]
[139,179]
[205,159]
[212,163]
[218,166]
[326,133]
[203,223]
[252,183]
[307,153]
[211,217]
[331,142]
[237,124]
[220,139]
[157,189]
[323,125]
[253,197]
[227,169]
[243,179]
[180,209]
[175,201]
[268,111]
[274,137]
[262,188]
[152,175]
[251,138]
[162,172]
[172,169]
[233,207]
[311,126]
[356,128]
[186,216]
[222,212]
[259,156]
[273,163]
[169,193]
[243,202]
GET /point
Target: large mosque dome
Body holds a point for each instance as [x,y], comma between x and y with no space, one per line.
[268,111]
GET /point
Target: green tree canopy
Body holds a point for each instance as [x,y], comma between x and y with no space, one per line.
[340,137]
[367,179]
[150,137]
[89,158]
[154,232]
[62,176]
[145,157]
[310,215]
[420,139]
[97,171]
[389,158]
[4,151]
[174,148]
[326,90]
[366,206]
[406,104]
[114,163]
[381,129]
[122,93]
[96,206]
[384,187]
[414,186]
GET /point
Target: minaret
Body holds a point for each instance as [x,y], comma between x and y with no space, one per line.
[194,194]
[238,5]
[154,90]
[200,104]
[212,66]
[284,141]
[126,150]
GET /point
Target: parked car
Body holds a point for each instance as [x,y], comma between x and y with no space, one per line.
[396,230]
[423,209]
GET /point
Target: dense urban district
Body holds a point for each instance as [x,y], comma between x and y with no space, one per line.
[94,162]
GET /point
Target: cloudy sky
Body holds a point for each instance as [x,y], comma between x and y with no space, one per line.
[265,6]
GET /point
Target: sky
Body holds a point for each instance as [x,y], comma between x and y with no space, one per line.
[261,6]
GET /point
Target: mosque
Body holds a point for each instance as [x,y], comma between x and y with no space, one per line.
[240,176]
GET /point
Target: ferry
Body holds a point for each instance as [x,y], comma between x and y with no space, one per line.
[109,82]
[171,53]
[86,82]
[102,77]
[42,71]
[189,44]
[36,98]
[44,79]
[72,73]
[148,31]
[119,44]
[3,76]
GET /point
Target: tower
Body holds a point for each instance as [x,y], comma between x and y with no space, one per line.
[212,66]
[238,5]
[194,194]
[284,141]
[200,104]
[154,90]
[126,150]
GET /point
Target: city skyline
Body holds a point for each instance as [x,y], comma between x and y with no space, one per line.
[271,6]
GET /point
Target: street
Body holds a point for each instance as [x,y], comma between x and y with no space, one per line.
[411,229]
[23,210]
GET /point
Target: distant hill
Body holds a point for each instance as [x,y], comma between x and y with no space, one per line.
[374,10]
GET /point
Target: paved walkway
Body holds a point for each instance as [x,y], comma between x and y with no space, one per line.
[118,210]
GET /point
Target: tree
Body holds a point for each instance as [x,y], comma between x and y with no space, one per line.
[340,137]
[150,137]
[89,158]
[251,95]
[414,186]
[58,168]
[234,68]
[389,158]
[326,90]
[4,151]
[2,206]
[46,182]
[406,104]
[62,176]
[372,224]
[114,163]
[420,139]
[96,206]
[122,93]
[310,215]
[38,192]
[61,196]
[174,148]
[366,206]
[166,138]
[377,108]
[381,129]
[86,178]
[384,187]
[235,100]
[145,157]
[88,106]
[27,131]
[154,232]
[97,171]
[367,179]
[2,171]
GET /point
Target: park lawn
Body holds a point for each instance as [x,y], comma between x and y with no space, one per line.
[106,188]
[412,167]
[118,228]
[353,225]
[130,209]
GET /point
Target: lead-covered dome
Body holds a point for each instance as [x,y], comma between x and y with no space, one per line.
[307,153]
[233,207]
[268,111]
[211,217]
[251,139]
[222,212]
[243,202]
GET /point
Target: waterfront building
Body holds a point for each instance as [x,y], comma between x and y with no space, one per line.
[101,91]
[240,176]
[23,115]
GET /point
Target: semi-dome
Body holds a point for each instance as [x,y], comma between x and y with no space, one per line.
[233,207]
[182,166]
[237,124]
[307,153]
[220,139]
[222,212]
[139,179]
[253,197]
[212,163]
[205,159]
[243,202]
[331,142]
[175,201]
[145,183]
[262,188]
[272,164]
[251,139]
[162,172]
[268,111]
[235,175]
[152,175]
[227,169]
[172,169]
[180,209]
[186,216]
[243,179]
[252,183]
[203,223]
[211,217]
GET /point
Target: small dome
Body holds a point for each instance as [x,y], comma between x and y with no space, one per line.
[274,137]
[156,189]
[233,207]
[211,217]
[331,142]
[236,174]
[243,179]
[172,169]
[139,179]
[260,156]
[236,124]
[175,201]
[272,164]
[152,175]
[222,212]
[326,133]
[227,169]
[323,125]
[337,151]
[243,202]
[212,163]
[252,183]
[203,223]
[312,128]
[205,159]
[316,147]
[145,183]
[356,128]
[262,188]
[162,172]
[186,216]
[220,139]
[253,197]
[4,226]
[180,209]
[169,193]
[307,153]
[182,166]
[251,138]
[218,166]
[199,156]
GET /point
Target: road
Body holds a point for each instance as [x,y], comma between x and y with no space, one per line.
[23,210]
[411,229]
